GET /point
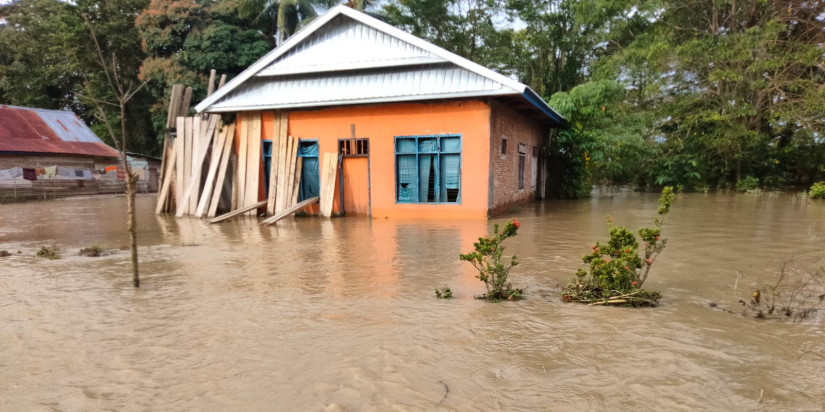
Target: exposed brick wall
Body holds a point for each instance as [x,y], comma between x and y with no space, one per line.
[504,168]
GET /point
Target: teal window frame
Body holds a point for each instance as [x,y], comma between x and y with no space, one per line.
[436,167]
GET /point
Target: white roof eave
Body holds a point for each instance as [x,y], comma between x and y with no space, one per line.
[351,102]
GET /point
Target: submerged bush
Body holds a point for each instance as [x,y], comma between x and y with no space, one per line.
[444,293]
[48,252]
[794,295]
[818,191]
[618,269]
[487,259]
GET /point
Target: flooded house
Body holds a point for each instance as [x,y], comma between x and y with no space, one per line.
[53,153]
[417,131]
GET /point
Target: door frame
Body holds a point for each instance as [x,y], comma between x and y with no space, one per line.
[343,153]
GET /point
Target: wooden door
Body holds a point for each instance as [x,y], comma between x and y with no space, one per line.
[356,180]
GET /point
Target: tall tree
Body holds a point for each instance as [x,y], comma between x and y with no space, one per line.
[184,40]
[281,19]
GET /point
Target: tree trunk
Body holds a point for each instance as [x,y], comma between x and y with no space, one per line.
[132,226]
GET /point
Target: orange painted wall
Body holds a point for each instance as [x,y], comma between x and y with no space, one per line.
[381,123]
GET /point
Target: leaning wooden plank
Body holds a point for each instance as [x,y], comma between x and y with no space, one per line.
[283,147]
[222,82]
[205,136]
[164,191]
[187,159]
[296,184]
[196,142]
[242,156]
[224,163]
[195,181]
[333,172]
[211,176]
[183,110]
[211,87]
[253,161]
[327,184]
[273,168]
[238,212]
[290,211]
[175,100]
[179,161]
[290,180]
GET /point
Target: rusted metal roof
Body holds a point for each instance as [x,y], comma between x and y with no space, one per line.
[26,130]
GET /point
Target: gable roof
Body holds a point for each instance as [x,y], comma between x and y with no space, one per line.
[25,130]
[347,57]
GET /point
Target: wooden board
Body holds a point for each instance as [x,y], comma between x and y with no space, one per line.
[289,211]
[328,183]
[273,168]
[222,168]
[296,186]
[253,165]
[238,212]
[293,163]
[191,194]
[211,87]
[211,175]
[187,156]
[179,161]
[184,105]
[283,147]
[175,102]
[163,194]
[196,144]
[240,175]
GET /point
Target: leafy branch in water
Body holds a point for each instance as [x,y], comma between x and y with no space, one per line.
[618,269]
[492,270]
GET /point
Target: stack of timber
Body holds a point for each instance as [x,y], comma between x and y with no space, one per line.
[207,171]
[179,101]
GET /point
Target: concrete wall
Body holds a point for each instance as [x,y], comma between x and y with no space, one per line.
[517,129]
[381,124]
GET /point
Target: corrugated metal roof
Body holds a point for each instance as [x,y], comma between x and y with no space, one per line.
[343,44]
[348,57]
[48,131]
[358,87]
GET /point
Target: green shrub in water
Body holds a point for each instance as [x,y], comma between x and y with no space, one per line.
[492,270]
[48,252]
[747,184]
[818,190]
[618,268]
[444,293]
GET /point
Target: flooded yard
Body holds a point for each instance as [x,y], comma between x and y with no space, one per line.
[318,314]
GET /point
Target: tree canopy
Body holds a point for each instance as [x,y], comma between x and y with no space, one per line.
[693,93]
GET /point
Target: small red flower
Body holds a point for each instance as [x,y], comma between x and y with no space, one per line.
[627,251]
[626,268]
[596,250]
[516,223]
[607,260]
[633,283]
[650,261]
[657,237]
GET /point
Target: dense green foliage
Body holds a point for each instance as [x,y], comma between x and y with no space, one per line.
[619,267]
[487,258]
[818,191]
[695,93]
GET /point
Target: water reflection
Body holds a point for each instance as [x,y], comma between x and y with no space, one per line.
[314,313]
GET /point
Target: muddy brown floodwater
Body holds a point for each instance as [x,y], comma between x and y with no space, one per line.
[340,314]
